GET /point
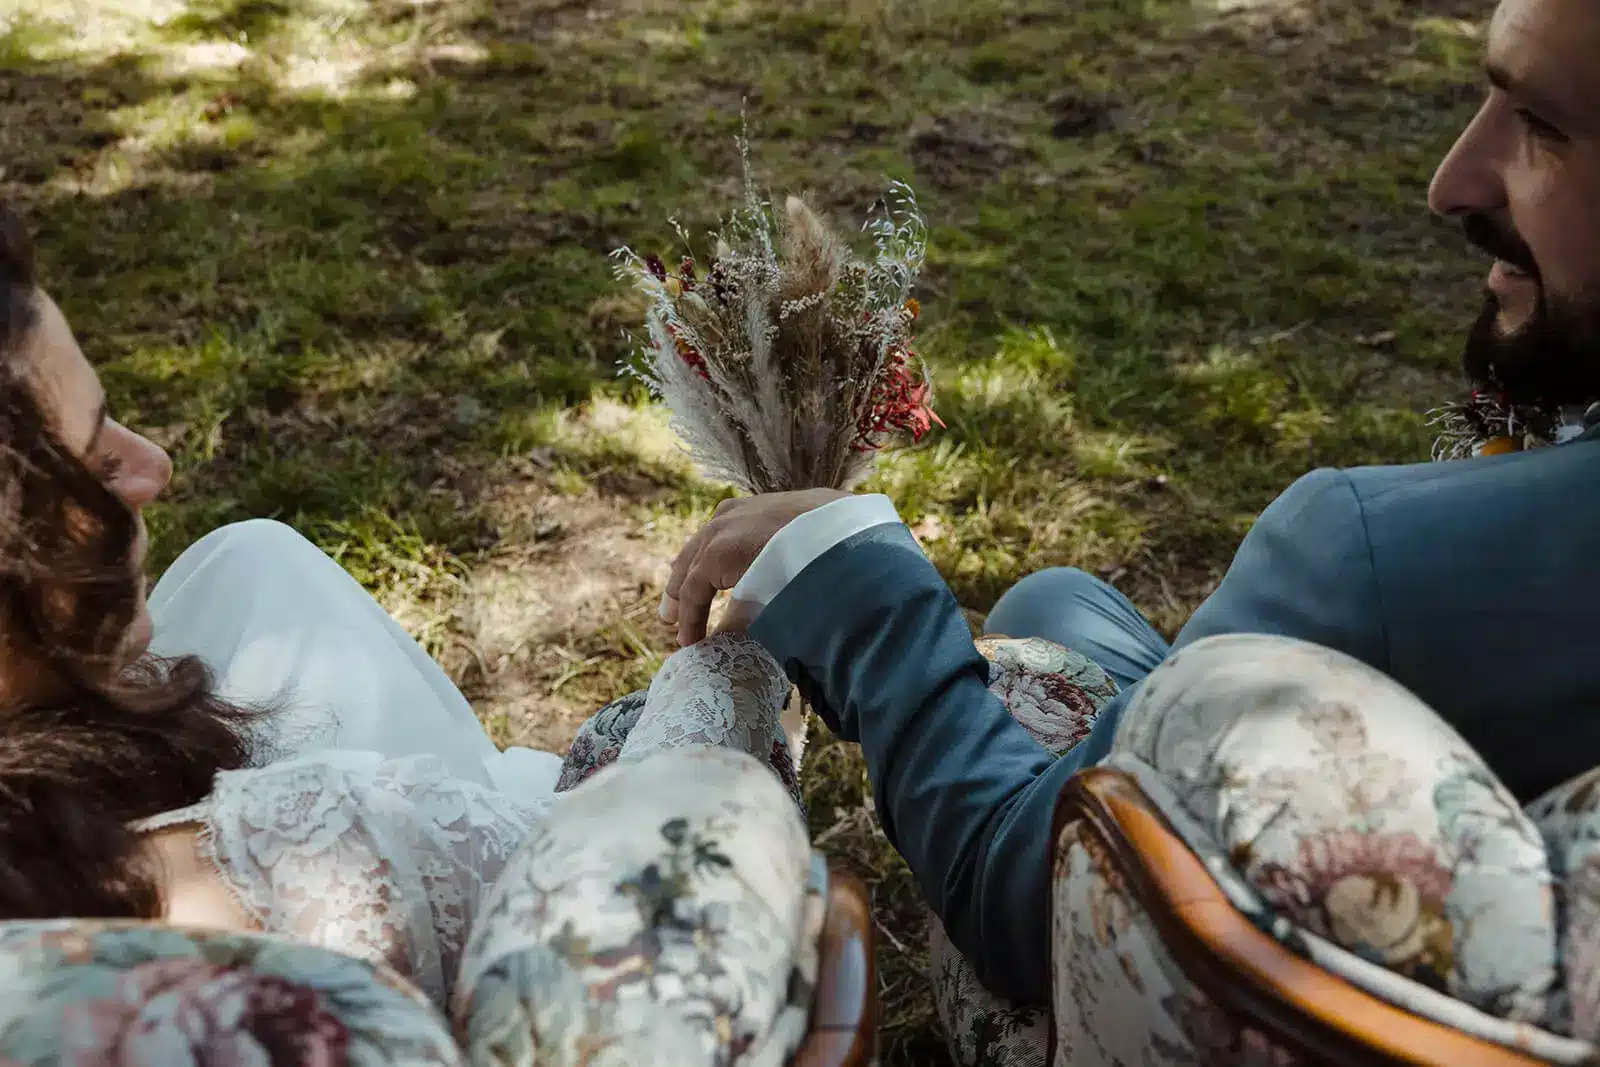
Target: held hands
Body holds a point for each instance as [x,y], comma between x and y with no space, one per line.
[720,554]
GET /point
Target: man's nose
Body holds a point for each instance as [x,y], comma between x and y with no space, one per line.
[1468,180]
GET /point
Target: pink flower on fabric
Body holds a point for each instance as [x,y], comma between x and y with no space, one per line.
[1055,712]
[1382,894]
[1327,859]
[191,1013]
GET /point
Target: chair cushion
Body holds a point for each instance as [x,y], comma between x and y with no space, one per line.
[1155,965]
[1353,811]
[133,994]
[1569,818]
[1119,995]
[668,911]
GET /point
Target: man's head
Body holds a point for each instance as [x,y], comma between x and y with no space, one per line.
[1524,180]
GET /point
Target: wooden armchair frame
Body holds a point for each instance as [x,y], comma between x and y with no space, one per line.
[844,1012]
[1317,1015]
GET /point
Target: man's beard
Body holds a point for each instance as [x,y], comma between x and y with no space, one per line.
[1550,361]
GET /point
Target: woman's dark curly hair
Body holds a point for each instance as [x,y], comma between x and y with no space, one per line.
[117,742]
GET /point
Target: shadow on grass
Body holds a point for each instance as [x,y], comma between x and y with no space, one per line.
[460,227]
[229,19]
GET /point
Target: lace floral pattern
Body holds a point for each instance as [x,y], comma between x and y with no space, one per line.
[726,691]
[629,915]
[384,860]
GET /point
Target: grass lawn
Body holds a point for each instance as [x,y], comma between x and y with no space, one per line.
[347,258]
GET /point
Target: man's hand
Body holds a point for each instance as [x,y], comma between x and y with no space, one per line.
[718,556]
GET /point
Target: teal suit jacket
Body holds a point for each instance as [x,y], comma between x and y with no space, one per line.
[1473,583]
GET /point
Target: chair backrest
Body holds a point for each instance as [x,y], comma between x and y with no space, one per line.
[144,994]
[1255,980]
[844,1011]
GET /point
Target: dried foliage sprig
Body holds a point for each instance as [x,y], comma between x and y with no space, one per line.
[1487,424]
[787,363]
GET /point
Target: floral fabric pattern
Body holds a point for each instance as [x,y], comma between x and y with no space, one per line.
[647,922]
[650,923]
[1118,997]
[129,994]
[981,1028]
[1352,811]
[599,740]
[1340,815]
[1056,695]
[1569,818]
[668,911]
[1053,692]
[243,1017]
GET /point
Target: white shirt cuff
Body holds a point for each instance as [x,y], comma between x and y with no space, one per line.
[798,544]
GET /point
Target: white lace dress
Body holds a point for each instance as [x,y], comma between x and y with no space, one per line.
[382,859]
[381,814]
[379,811]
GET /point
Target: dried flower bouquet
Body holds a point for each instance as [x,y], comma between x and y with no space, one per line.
[787,362]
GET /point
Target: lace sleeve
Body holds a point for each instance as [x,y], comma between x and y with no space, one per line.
[383,860]
[726,691]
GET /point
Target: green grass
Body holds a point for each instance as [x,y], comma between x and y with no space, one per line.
[348,259]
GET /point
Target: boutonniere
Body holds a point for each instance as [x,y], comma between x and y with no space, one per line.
[1485,424]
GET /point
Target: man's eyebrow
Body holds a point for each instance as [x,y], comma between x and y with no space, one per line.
[1545,106]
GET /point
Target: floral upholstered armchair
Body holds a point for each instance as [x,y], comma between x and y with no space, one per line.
[1288,859]
[645,925]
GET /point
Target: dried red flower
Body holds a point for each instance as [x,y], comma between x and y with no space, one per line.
[689,354]
[899,403]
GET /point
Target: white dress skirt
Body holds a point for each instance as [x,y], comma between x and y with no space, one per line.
[281,623]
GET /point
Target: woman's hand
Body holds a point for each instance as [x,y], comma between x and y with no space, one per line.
[720,554]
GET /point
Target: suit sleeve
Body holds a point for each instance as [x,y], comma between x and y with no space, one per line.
[877,643]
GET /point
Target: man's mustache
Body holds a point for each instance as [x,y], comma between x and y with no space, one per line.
[1483,232]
